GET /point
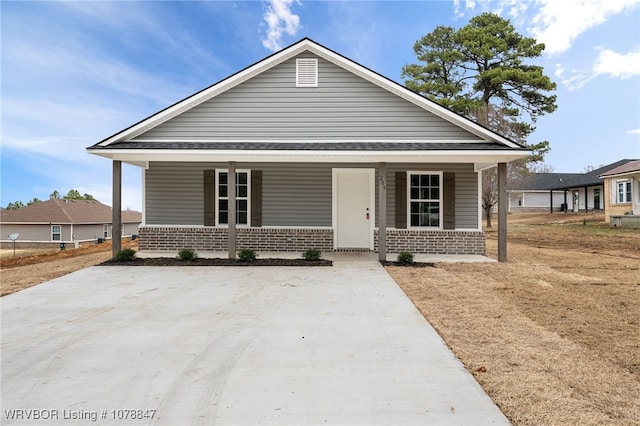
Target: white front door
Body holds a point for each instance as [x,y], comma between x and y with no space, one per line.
[353,208]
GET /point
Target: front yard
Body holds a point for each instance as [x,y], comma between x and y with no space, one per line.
[554,334]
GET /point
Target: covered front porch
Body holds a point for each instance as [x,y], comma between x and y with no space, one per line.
[444,239]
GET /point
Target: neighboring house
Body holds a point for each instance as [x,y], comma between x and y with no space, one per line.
[572,192]
[622,194]
[586,192]
[59,220]
[325,153]
[535,192]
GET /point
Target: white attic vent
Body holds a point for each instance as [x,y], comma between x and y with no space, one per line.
[307,72]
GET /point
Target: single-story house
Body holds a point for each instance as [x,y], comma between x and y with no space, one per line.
[622,194]
[64,221]
[585,193]
[309,149]
[535,192]
[568,192]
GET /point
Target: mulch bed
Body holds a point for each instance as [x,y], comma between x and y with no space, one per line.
[409,265]
[169,261]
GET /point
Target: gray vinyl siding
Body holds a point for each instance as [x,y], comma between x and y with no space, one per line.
[270,107]
[292,194]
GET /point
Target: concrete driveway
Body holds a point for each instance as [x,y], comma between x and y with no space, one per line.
[230,346]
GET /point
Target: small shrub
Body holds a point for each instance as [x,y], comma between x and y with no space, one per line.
[187,254]
[246,255]
[311,255]
[405,258]
[126,255]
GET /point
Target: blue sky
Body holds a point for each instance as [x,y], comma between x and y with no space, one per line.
[74,73]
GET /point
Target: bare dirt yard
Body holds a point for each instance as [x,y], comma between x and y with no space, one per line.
[553,335]
[32,267]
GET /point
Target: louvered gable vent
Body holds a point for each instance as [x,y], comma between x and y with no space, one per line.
[306,72]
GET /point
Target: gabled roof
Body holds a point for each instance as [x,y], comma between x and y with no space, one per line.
[631,167]
[592,178]
[559,181]
[60,211]
[304,45]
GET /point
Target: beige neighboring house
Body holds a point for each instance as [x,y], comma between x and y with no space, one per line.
[64,221]
[622,195]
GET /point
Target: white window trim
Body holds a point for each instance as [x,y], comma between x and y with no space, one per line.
[217,204]
[105,231]
[617,186]
[58,233]
[440,201]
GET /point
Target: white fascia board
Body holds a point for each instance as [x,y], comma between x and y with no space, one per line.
[617,175]
[477,157]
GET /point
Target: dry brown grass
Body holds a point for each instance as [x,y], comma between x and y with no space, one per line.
[553,335]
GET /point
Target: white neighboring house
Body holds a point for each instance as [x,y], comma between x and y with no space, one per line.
[622,195]
[536,193]
[64,221]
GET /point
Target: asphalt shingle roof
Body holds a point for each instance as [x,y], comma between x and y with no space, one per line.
[559,181]
[630,167]
[310,146]
[67,211]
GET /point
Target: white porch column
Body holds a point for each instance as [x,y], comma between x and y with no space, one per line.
[502,212]
[231,192]
[382,211]
[116,210]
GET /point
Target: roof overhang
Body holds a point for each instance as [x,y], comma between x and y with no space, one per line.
[482,159]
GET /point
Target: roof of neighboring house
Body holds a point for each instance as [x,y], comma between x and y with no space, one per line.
[628,168]
[559,181]
[592,178]
[60,211]
[541,181]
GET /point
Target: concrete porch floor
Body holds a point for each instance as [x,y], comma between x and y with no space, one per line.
[333,256]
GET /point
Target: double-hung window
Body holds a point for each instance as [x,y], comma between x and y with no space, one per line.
[425,199]
[243,195]
[624,191]
[56,232]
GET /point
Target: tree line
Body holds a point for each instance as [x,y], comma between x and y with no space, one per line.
[73,194]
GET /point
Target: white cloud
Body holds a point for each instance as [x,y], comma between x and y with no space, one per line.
[616,64]
[558,23]
[279,19]
[514,9]
[634,132]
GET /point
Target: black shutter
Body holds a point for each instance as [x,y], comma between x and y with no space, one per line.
[401,200]
[209,197]
[449,202]
[256,198]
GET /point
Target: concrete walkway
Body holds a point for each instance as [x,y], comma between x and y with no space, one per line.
[335,345]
